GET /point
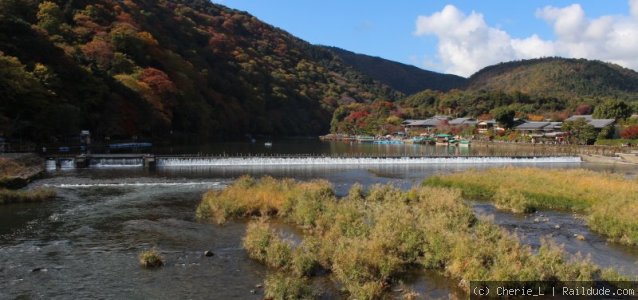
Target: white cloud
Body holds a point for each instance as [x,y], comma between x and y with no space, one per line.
[467,43]
[633,7]
[569,22]
[532,46]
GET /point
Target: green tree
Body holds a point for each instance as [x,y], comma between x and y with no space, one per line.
[607,132]
[580,131]
[22,97]
[124,39]
[23,9]
[504,116]
[46,75]
[121,64]
[49,17]
[612,109]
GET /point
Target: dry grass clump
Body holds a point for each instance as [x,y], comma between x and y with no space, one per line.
[150,259]
[16,172]
[282,286]
[265,245]
[265,197]
[36,195]
[9,167]
[367,240]
[610,201]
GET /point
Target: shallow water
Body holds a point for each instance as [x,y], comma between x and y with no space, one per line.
[85,243]
[563,228]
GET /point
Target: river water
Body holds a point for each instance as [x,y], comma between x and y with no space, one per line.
[84,244]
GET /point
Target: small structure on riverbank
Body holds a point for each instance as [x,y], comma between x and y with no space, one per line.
[539,131]
[597,123]
[485,126]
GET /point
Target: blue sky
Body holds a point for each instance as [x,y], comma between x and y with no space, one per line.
[389,29]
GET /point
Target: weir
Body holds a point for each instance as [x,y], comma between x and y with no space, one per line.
[132,160]
[380,160]
[164,161]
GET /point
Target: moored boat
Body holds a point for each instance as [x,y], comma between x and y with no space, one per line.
[442,139]
[365,139]
[388,142]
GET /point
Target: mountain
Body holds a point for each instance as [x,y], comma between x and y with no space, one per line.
[548,88]
[401,77]
[559,77]
[186,69]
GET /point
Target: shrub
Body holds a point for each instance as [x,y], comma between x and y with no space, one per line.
[368,240]
[281,286]
[305,258]
[611,202]
[265,197]
[512,200]
[150,259]
[263,244]
[630,132]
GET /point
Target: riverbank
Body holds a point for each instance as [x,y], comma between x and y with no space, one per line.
[609,202]
[18,169]
[502,148]
[368,240]
[549,149]
[37,195]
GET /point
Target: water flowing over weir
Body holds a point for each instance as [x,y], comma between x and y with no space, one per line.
[116,162]
[327,161]
[67,164]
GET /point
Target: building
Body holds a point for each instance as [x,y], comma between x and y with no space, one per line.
[458,122]
[486,125]
[542,128]
[430,123]
[542,131]
[597,123]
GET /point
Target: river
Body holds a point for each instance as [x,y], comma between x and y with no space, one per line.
[84,244]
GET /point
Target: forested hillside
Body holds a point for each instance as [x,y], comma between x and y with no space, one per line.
[537,89]
[405,78]
[564,78]
[182,69]
[197,71]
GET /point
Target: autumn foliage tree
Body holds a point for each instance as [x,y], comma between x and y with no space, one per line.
[583,109]
[99,51]
[630,132]
[50,17]
[158,81]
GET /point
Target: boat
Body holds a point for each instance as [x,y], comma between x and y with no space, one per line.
[133,145]
[388,142]
[442,139]
[425,140]
[365,139]
[268,144]
[464,143]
